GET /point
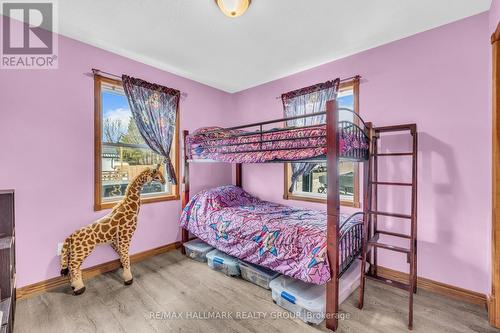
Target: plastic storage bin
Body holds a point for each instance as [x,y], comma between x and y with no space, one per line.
[256,274]
[224,263]
[197,250]
[308,301]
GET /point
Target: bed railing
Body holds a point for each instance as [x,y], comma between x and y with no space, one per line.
[259,140]
[356,117]
[350,243]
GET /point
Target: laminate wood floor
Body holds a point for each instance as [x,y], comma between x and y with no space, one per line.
[171,284]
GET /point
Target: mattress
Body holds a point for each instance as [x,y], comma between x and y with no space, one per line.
[286,239]
[289,144]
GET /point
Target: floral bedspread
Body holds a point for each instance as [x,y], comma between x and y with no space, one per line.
[292,144]
[286,239]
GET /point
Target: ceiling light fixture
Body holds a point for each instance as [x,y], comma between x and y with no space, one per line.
[233,8]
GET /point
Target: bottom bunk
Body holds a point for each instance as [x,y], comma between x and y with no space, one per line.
[288,240]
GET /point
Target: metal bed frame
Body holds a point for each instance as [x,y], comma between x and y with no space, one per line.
[346,247]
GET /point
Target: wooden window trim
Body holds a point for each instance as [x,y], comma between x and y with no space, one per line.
[354,85]
[98,203]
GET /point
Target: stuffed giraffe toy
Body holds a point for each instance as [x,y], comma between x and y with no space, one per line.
[116,229]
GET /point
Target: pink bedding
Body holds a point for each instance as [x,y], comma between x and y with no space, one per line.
[288,240]
[291,144]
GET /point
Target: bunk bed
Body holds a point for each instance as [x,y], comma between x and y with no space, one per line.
[331,142]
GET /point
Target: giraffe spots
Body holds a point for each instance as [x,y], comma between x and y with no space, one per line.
[105,228]
[113,230]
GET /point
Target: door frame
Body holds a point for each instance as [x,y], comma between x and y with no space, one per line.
[494,299]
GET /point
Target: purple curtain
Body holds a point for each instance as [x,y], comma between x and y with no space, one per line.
[154,108]
[305,101]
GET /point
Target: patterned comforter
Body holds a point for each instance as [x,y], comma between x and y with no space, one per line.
[288,240]
[291,144]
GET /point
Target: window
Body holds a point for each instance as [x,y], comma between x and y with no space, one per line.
[120,151]
[312,187]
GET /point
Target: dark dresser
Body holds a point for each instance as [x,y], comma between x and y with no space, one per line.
[7,261]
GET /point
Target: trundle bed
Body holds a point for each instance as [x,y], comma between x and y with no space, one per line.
[313,246]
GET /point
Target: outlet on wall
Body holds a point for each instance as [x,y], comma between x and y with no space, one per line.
[59,248]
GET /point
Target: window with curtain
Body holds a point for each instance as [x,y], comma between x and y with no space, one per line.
[312,186]
[121,152]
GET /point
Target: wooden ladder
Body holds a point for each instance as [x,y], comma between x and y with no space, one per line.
[371,232]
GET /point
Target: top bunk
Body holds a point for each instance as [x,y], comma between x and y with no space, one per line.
[274,142]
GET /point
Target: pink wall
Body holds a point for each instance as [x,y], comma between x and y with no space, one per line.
[494,15]
[46,130]
[439,80]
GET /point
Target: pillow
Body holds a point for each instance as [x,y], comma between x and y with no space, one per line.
[228,196]
[208,132]
[205,130]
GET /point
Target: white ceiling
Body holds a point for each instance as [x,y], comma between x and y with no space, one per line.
[275,38]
